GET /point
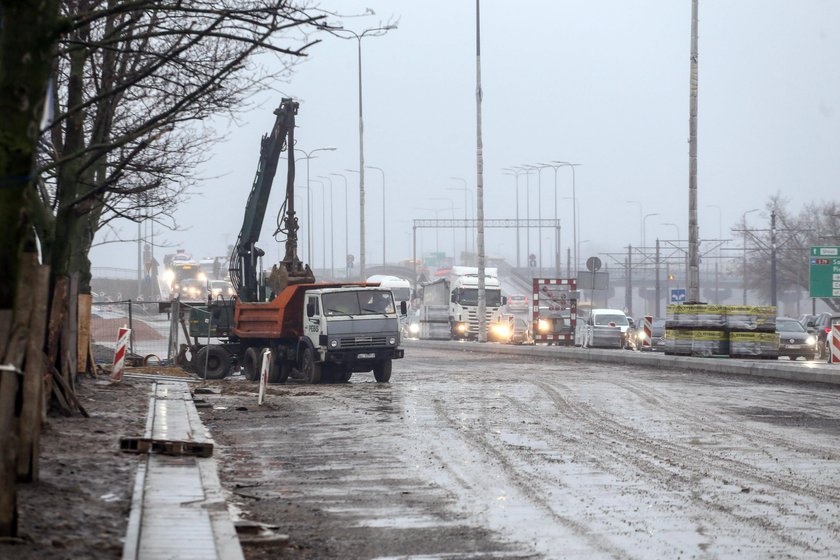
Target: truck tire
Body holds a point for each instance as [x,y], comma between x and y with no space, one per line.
[382,371]
[217,360]
[279,370]
[310,369]
[251,364]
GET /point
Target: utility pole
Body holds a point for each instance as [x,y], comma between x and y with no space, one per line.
[773,298]
[693,229]
[479,184]
[656,307]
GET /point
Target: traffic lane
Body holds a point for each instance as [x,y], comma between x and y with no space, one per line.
[531,456]
[819,372]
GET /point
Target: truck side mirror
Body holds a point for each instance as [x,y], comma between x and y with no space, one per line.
[310,309]
[403,307]
[453,298]
[504,300]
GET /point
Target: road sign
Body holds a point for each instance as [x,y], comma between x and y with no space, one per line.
[593,264]
[824,272]
[678,295]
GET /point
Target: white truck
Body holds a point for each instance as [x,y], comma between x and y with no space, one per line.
[453,302]
[401,288]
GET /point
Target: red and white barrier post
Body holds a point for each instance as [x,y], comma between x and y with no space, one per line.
[647,326]
[119,354]
[266,363]
[834,347]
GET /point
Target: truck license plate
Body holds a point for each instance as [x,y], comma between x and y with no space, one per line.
[366,356]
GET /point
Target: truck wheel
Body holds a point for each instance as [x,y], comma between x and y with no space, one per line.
[217,360]
[279,371]
[382,371]
[309,367]
[251,364]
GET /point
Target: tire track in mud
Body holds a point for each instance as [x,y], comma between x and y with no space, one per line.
[690,411]
[525,485]
[688,461]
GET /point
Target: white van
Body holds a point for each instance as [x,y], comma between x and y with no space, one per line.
[607,328]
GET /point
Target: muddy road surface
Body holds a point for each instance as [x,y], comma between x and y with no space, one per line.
[465,455]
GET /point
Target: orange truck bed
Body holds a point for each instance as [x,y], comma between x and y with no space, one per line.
[281,317]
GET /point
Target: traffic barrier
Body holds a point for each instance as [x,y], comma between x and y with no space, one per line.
[118,370]
[834,347]
[266,364]
[647,325]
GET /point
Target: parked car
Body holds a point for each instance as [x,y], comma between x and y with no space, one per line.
[657,335]
[794,340]
[823,324]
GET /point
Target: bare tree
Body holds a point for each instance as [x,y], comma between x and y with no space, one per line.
[794,234]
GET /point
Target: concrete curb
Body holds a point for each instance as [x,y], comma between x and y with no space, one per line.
[811,372]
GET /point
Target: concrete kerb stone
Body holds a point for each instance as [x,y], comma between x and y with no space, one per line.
[805,372]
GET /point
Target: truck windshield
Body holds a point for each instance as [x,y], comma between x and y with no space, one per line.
[469,296]
[368,302]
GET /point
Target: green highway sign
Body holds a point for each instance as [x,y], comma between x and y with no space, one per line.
[825,272]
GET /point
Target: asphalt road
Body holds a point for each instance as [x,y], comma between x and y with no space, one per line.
[469,455]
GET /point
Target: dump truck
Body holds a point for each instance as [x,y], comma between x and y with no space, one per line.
[314,331]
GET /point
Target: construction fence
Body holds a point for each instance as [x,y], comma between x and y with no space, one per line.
[157,335]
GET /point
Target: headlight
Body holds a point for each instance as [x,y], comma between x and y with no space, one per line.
[169,276]
[641,335]
[460,327]
[202,277]
[543,325]
[333,343]
[414,328]
[811,341]
[392,340]
[501,330]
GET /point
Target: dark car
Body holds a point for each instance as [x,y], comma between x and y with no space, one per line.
[794,341]
[822,324]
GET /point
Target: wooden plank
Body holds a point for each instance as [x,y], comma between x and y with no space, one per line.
[15,352]
[8,453]
[83,345]
[6,316]
[33,382]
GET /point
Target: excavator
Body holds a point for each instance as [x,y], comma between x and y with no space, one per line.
[314,331]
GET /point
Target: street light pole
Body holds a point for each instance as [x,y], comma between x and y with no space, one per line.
[575,232]
[346,219]
[323,224]
[644,227]
[641,213]
[515,172]
[557,231]
[371,32]
[383,210]
[332,230]
[527,171]
[452,211]
[744,277]
[308,155]
[466,190]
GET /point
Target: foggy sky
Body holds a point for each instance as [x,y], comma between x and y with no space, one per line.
[600,83]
